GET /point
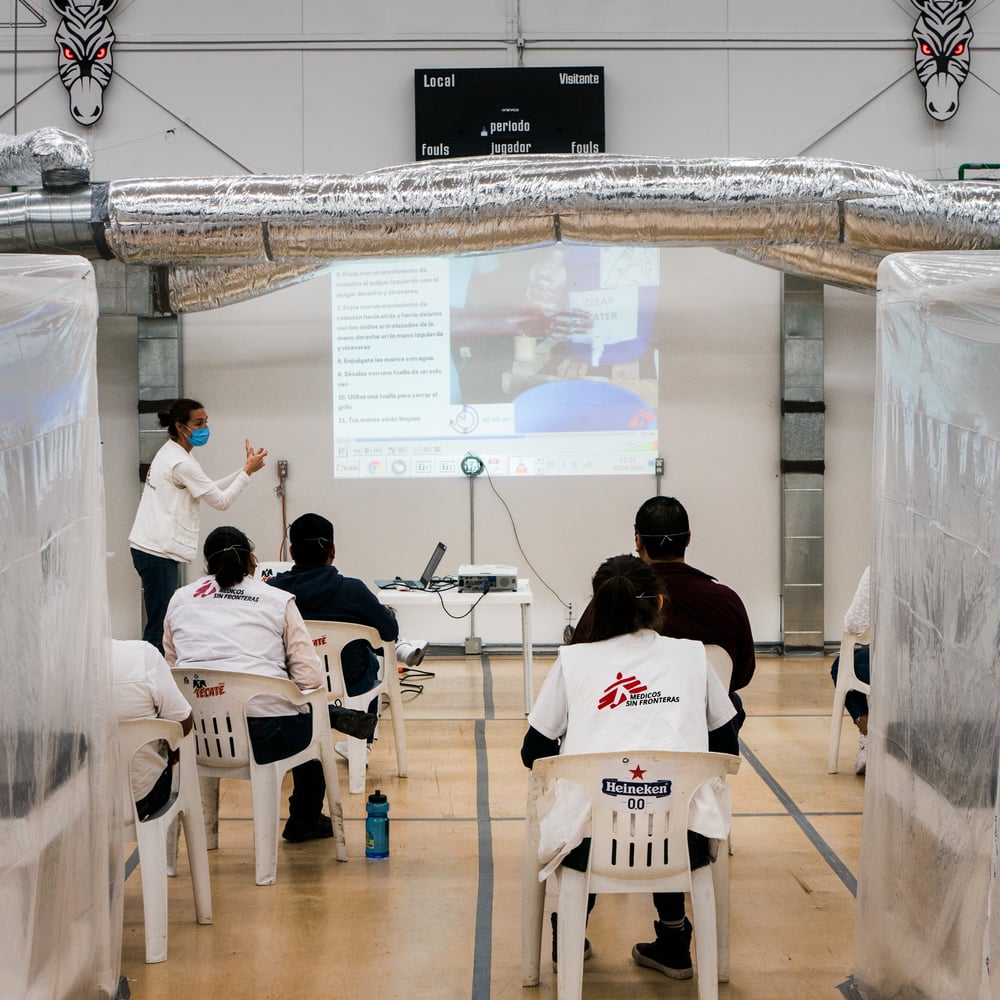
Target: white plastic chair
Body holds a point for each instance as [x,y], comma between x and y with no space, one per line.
[847,680]
[329,640]
[632,850]
[218,699]
[151,834]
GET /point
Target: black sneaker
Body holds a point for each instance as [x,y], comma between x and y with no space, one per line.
[587,952]
[670,953]
[353,722]
[296,832]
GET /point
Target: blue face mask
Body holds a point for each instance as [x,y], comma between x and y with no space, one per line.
[199,436]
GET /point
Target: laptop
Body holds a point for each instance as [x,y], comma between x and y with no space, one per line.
[426,578]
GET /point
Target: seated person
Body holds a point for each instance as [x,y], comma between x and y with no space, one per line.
[857,621]
[699,607]
[257,629]
[323,594]
[144,688]
[566,718]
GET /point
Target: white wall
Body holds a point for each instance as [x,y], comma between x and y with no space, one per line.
[317,87]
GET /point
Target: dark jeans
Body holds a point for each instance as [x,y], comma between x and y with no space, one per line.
[160,578]
[856,702]
[669,905]
[158,795]
[279,736]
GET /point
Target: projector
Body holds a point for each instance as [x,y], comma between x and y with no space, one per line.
[480,577]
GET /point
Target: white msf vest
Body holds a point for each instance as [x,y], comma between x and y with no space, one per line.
[237,629]
[166,523]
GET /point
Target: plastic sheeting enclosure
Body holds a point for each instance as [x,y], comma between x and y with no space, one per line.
[928,921]
[60,820]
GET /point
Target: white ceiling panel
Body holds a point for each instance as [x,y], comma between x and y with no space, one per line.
[783,101]
[359,106]
[406,19]
[632,19]
[805,19]
[895,131]
[195,19]
[250,106]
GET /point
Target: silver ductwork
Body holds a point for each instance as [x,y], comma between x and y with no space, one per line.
[47,155]
[225,239]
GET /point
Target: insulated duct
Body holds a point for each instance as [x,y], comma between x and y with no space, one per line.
[219,240]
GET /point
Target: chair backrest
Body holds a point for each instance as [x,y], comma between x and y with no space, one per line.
[265,570]
[133,734]
[330,638]
[218,700]
[722,663]
[639,805]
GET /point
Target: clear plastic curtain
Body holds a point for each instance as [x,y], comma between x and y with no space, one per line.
[927,906]
[61,857]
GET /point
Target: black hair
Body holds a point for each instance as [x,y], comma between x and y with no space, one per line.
[662,524]
[179,413]
[228,555]
[311,538]
[626,594]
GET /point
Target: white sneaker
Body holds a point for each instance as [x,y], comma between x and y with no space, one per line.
[410,652]
[341,749]
[861,763]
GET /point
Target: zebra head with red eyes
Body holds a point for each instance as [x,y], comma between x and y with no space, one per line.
[85,37]
[942,32]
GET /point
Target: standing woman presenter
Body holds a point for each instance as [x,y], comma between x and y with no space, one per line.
[165,531]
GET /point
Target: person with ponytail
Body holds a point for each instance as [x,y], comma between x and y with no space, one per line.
[629,688]
[227,620]
[165,531]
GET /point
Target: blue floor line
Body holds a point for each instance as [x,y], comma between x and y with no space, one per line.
[828,854]
[483,957]
[489,709]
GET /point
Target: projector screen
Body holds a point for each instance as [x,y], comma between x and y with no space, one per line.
[542,362]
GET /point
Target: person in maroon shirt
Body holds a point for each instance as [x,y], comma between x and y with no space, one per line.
[697,606]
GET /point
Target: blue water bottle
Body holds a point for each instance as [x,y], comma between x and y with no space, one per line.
[377,826]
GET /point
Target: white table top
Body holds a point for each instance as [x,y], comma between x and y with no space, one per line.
[400,598]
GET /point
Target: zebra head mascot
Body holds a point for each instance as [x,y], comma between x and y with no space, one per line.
[85,37]
[942,32]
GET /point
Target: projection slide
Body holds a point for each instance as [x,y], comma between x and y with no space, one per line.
[543,362]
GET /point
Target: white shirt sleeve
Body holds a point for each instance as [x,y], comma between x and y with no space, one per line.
[218,494]
[859,614]
[170,703]
[550,713]
[303,664]
[718,708]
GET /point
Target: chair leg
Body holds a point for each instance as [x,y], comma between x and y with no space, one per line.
[150,838]
[532,911]
[571,932]
[357,764]
[836,720]
[720,886]
[333,800]
[210,810]
[398,724]
[197,852]
[705,934]
[173,832]
[265,786]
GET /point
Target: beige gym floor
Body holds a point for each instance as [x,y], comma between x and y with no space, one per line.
[441,917]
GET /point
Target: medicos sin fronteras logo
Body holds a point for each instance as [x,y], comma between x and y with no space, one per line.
[632,693]
[207,589]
